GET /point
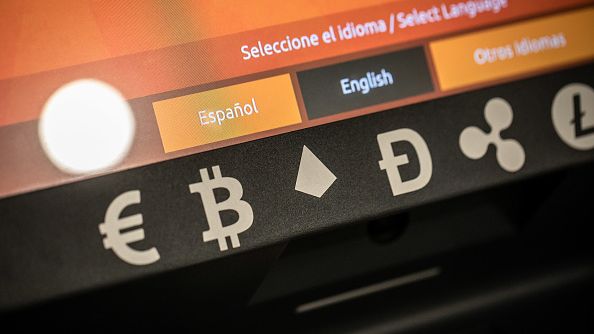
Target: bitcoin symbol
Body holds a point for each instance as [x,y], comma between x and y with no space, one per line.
[212,209]
[118,241]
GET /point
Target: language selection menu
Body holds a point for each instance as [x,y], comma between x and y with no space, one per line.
[224,113]
[458,63]
[334,89]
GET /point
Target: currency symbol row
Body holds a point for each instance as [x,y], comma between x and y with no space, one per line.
[572,115]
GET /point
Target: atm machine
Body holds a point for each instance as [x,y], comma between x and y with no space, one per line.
[312,166]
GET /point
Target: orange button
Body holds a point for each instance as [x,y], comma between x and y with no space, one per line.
[225,113]
[514,49]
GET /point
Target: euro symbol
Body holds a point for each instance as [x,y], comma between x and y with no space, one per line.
[118,241]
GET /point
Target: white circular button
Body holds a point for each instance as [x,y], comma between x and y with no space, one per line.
[86,126]
[573,115]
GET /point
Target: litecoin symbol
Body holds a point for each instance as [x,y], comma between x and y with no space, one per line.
[118,241]
[212,209]
[573,116]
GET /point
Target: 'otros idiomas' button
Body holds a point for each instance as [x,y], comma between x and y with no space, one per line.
[225,113]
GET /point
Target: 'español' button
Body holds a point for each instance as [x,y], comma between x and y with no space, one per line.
[225,113]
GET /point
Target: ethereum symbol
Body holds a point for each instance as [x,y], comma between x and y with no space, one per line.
[313,178]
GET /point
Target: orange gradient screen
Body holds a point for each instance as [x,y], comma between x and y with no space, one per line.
[148,47]
[43,35]
[198,75]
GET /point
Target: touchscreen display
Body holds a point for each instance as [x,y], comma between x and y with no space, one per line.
[93,87]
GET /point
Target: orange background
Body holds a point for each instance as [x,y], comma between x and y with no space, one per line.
[136,48]
[39,35]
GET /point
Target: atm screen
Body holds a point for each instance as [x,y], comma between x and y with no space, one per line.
[141,137]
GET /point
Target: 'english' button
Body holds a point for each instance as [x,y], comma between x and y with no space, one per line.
[360,83]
